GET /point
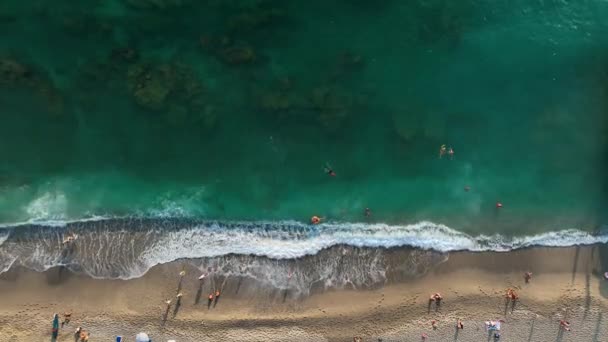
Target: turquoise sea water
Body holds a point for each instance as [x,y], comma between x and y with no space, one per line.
[230,110]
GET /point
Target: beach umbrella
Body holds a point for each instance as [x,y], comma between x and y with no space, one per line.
[142,337]
[55,325]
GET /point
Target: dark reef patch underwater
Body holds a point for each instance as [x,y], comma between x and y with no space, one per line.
[228,111]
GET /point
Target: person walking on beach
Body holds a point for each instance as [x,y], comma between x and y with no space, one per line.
[527,277]
[209,301]
[512,295]
[459,325]
[55,331]
[436,297]
[565,325]
[217,298]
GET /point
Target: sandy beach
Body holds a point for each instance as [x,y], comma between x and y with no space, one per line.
[565,285]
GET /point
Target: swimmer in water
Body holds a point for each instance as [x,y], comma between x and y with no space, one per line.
[315,220]
[442,150]
[329,170]
[451,153]
[368,212]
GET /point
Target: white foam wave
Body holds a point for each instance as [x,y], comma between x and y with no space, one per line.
[49,205]
[126,248]
[46,222]
[298,241]
[4,236]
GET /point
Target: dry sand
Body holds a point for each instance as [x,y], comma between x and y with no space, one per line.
[566,284]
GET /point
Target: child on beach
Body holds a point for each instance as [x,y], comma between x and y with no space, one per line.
[66,318]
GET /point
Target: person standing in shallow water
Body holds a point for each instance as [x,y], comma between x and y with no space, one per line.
[210,300]
[527,277]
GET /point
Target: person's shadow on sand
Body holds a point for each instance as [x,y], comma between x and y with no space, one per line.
[178,304]
[285,294]
[560,334]
[199,293]
[513,303]
[166,315]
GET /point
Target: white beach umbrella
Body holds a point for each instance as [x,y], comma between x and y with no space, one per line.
[142,337]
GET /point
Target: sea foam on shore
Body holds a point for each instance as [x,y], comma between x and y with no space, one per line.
[127,247]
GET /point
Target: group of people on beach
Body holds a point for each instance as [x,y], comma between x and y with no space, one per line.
[492,326]
[213,297]
[80,334]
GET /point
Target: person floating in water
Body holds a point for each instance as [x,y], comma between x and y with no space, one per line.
[451,153]
[315,220]
[368,212]
[442,151]
[328,169]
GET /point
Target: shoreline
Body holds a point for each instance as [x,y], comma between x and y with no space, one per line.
[472,284]
[129,248]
